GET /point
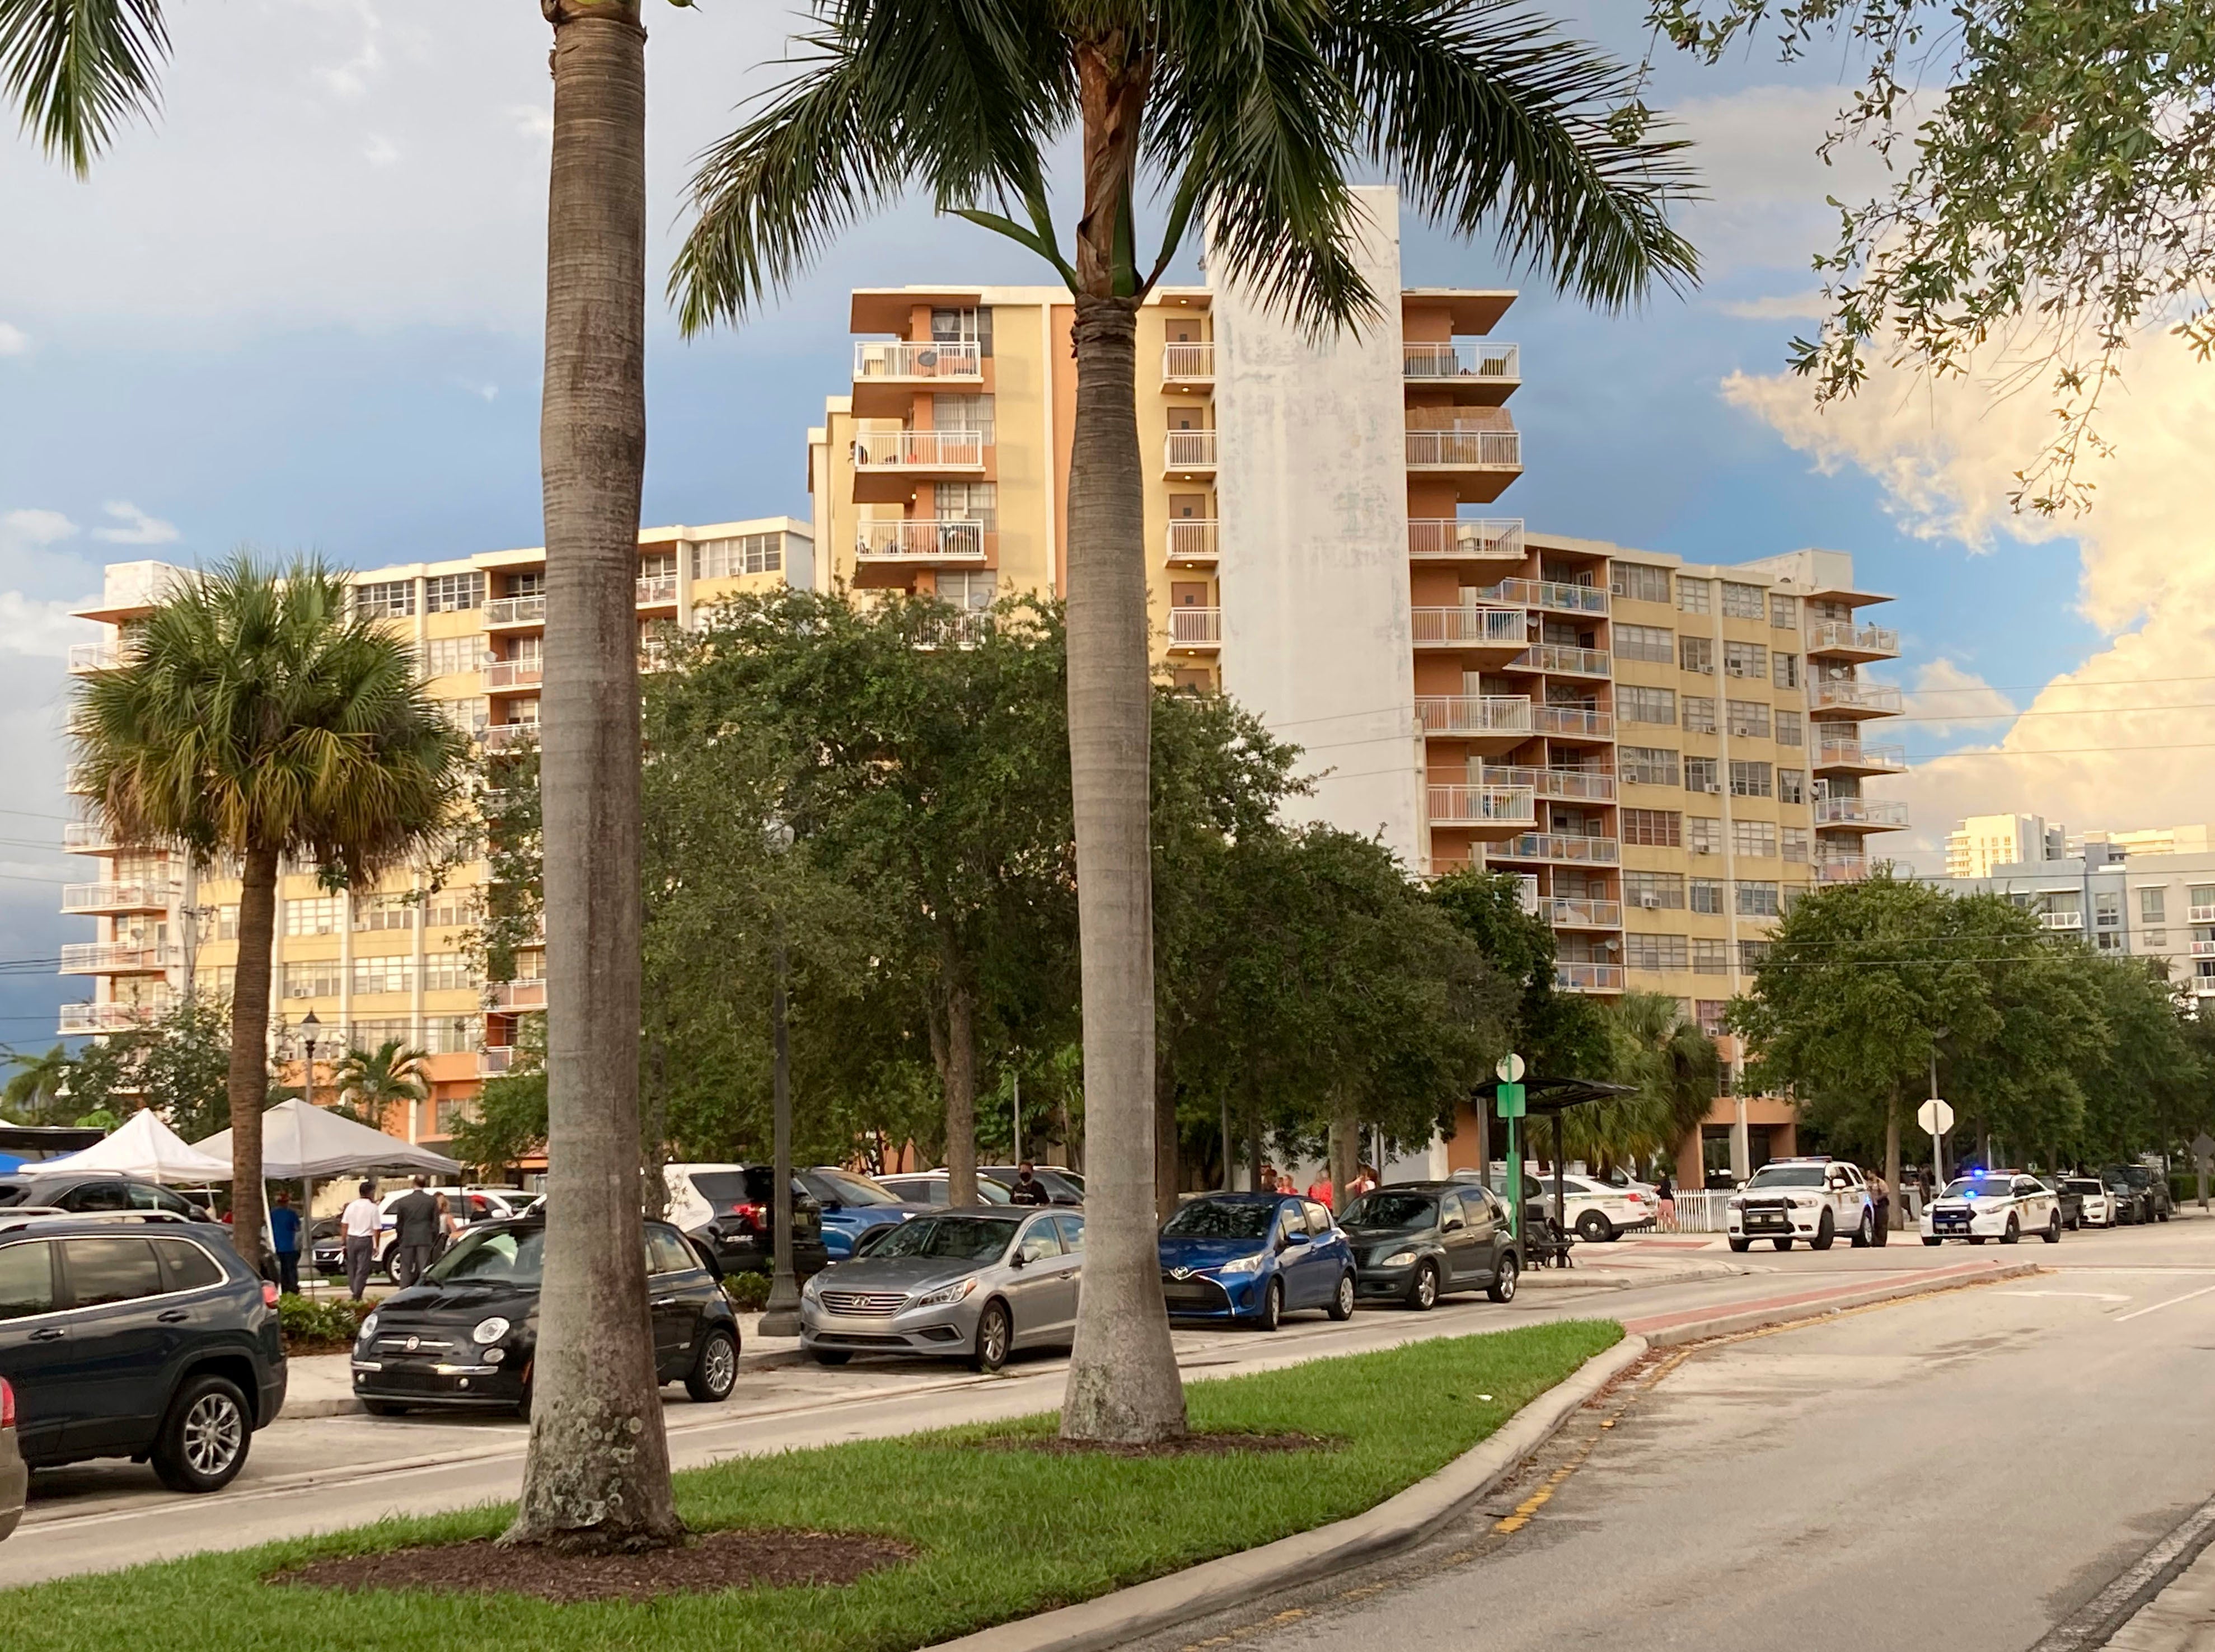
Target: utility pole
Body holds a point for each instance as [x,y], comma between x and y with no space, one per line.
[781,1315]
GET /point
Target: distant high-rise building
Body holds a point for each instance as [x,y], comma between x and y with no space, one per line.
[1977,845]
[2152,840]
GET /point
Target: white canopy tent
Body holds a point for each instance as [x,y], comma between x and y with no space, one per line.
[301,1142]
[146,1147]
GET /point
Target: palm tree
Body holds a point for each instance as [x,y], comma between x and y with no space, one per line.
[1652,1045]
[371,1083]
[35,1094]
[1250,115]
[256,717]
[76,69]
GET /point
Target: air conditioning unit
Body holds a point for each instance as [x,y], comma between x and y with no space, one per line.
[1651,902]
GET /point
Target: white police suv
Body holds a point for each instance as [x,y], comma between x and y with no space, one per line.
[2001,1204]
[1811,1199]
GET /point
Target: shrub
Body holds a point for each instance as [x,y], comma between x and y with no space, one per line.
[310,1326]
[749,1292]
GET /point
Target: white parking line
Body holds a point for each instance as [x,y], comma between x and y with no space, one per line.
[2157,1306]
[2096,1296]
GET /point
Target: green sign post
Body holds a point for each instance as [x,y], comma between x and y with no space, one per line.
[1509,1101]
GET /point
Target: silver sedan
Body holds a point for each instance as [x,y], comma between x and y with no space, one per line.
[967,1284]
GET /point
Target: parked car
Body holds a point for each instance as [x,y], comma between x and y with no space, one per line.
[2096,1205]
[1059,1190]
[2133,1203]
[1597,1213]
[2001,1204]
[967,1284]
[2067,1198]
[2155,1202]
[14,1477]
[462,1337]
[150,1340]
[1253,1258]
[1413,1242]
[86,1192]
[728,1208]
[1815,1199]
[849,1206]
[929,1187]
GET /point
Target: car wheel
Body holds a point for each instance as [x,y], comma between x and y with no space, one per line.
[715,1370]
[2052,1234]
[1342,1306]
[204,1440]
[992,1334]
[1273,1307]
[1864,1232]
[1825,1232]
[1423,1295]
[1783,1244]
[1927,1240]
[1504,1278]
[1740,1244]
[384,1408]
[1594,1228]
[829,1355]
[2013,1233]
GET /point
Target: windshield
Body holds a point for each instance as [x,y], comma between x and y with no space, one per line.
[1788,1176]
[721,1189]
[837,1187]
[1970,1187]
[961,1238]
[1222,1219]
[512,1256]
[1391,1210]
[2083,1184]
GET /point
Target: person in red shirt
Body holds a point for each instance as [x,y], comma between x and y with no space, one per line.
[1319,1190]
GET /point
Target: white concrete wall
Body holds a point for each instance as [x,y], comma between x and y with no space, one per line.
[1312,492]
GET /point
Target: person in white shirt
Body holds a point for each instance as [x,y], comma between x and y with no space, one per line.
[358,1227]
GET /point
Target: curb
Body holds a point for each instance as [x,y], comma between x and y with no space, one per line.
[303,1411]
[1620,1280]
[1217,1585]
[1697,1326]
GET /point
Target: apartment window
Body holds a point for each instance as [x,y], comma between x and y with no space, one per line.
[385,599]
[1749,781]
[381,912]
[658,564]
[1795,843]
[530,584]
[1657,954]
[725,559]
[1646,705]
[963,327]
[452,656]
[453,593]
[968,588]
[1754,837]
[963,413]
[1699,713]
[2203,901]
[226,977]
[1710,957]
[466,716]
[1743,602]
[1640,581]
[1757,899]
[449,909]
[1781,613]
[1655,828]
[1656,643]
[2108,909]
[1648,765]
[393,973]
[1710,1014]
[453,1112]
[1706,895]
[318,916]
[226,923]
[1749,660]
[2153,907]
[1792,785]
[1702,774]
[446,971]
[1784,670]
[969,502]
[1752,954]
[313,978]
[1790,730]
[1697,654]
[1703,835]
[1749,719]
[1654,890]
[1692,595]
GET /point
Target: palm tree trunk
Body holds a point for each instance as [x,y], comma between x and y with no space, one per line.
[1123,1381]
[1167,1171]
[1891,1150]
[598,1474]
[248,1082]
[957,1079]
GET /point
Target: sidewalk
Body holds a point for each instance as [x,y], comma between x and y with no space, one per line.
[2181,1618]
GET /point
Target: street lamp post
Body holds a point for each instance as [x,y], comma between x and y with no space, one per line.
[781,1313]
[310,1026]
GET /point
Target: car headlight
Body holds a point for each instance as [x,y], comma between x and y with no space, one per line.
[1397,1259]
[488,1332]
[945,1293]
[813,1288]
[368,1327]
[1737,1204]
[1242,1265]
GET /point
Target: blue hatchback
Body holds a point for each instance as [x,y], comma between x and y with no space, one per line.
[1254,1257]
[851,1206]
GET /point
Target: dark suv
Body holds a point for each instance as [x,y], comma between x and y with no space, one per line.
[2155,1203]
[144,1339]
[92,1192]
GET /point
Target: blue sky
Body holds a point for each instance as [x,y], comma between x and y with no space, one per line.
[302,311]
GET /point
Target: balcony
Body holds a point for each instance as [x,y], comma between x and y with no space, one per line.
[1851,697]
[1560,660]
[1195,628]
[1484,372]
[116,958]
[1189,452]
[1498,721]
[1510,809]
[515,611]
[1572,847]
[657,591]
[1589,977]
[87,837]
[1840,868]
[1574,722]
[511,674]
[1867,814]
[104,1017]
[508,736]
[2062,920]
[940,361]
[1578,784]
[511,995]
[2200,949]
[86,658]
[1465,539]
[963,630]
[1852,757]
[1188,363]
[96,899]
[1553,596]
[1564,914]
[1193,542]
[1504,629]
[918,452]
[1466,448]
[1844,639]
[921,539]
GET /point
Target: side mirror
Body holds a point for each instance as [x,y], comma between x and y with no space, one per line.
[1296,1238]
[1019,1260]
[1452,1225]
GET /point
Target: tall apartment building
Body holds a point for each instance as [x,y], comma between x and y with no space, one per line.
[2157,905]
[393,962]
[1978,844]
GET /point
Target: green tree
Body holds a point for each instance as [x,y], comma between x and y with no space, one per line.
[508,1122]
[180,1065]
[371,1083]
[1250,116]
[1560,1034]
[256,717]
[2145,1084]
[1654,1045]
[38,1092]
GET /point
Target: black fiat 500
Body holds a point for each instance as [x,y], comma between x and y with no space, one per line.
[463,1337]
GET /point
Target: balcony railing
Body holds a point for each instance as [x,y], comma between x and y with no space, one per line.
[1473,715]
[1192,363]
[115,957]
[146,896]
[507,737]
[1550,594]
[1853,695]
[1561,846]
[2200,915]
[1465,539]
[935,539]
[1843,636]
[1195,628]
[87,835]
[1852,754]
[880,362]
[1564,660]
[1470,627]
[1193,539]
[657,591]
[1566,914]
[1482,805]
[1589,977]
[2200,949]
[2062,920]
[85,657]
[509,995]
[516,610]
[1465,449]
[963,630]
[1581,784]
[514,674]
[1860,812]
[919,450]
[104,1017]
[1190,450]
[1841,868]
[1578,721]
[1500,363]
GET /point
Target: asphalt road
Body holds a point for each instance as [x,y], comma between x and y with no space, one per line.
[323,1473]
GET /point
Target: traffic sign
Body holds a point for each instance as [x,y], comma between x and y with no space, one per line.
[1510,1103]
[1509,1068]
[1936,1117]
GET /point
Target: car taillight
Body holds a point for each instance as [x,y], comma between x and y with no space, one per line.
[268,1294]
[754,1215]
[7,1403]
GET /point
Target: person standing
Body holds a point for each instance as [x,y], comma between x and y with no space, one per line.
[1365,1181]
[1665,1195]
[1028,1189]
[416,1229]
[1882,1192]
[358,1227]
[1266,1182]
[1320,1188]
[284,1239]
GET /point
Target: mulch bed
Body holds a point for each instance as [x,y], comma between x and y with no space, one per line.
[706,1564]
[1221,1442]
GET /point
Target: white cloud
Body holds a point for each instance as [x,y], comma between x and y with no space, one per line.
[13,341]
[138,528]
[1948,699]
[1765,184]
[1809,306]
[380,151]
[35,529]
[45,629]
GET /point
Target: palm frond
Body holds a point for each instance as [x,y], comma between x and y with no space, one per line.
[74,70]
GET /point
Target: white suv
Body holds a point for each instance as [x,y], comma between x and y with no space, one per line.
[1811,1199]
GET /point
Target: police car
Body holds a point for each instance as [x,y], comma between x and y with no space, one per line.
[2001,1204]
[1814,1199]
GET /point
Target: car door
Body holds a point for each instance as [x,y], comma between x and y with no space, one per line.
[2036,1203]
[123,1339]
[1465,1236]
[1036,1286]
[675,1301]
[1072,1241]
[34,1346]
[1324,1258]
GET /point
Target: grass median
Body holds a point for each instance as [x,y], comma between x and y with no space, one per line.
[998,1533]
